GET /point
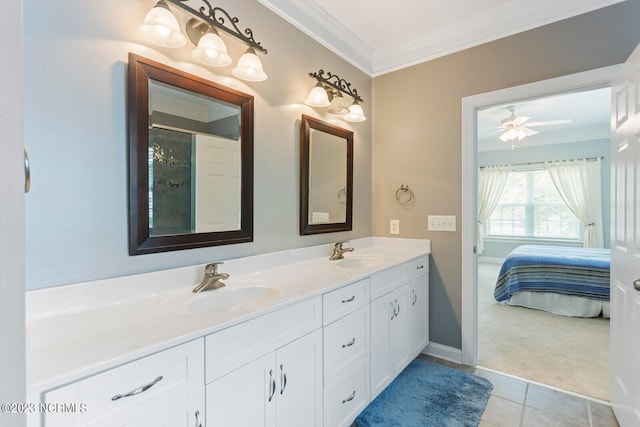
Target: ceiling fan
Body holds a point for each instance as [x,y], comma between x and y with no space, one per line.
[516,128]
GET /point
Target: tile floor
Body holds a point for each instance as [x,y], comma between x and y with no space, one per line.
[516,402]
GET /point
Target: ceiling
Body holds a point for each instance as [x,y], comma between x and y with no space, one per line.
[589,112]
[379,37]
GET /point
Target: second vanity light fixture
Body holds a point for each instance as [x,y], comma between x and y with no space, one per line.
[328,92]
[161,28]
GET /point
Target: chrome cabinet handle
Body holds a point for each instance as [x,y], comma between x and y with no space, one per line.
[138,390]
[273,384]
[397,305]
[636,284]
[27,171]
[420,267]
[198,423]
[350,398]
[283,380]
[350,343]
[348,300]
[415,297]
[393,316]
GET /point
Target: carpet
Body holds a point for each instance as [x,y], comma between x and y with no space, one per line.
[428,394]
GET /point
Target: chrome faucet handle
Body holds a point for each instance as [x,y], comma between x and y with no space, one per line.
[338,245]
[212,269]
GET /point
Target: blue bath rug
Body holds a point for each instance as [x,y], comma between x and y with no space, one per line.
[428,394]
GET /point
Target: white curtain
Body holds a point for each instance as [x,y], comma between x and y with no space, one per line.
[579,183]
[491,182]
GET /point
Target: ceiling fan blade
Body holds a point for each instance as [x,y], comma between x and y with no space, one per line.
[518,121]
[528,131]
[550,122]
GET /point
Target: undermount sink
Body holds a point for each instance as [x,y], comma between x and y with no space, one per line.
[362,261]
[230,299]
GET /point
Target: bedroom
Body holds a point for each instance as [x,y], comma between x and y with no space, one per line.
[550,348]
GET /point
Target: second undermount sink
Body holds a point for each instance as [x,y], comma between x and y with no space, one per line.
[230,299]
[362,261]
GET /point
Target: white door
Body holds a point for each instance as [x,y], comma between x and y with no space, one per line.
[625,245]
[217,184]
[12,327]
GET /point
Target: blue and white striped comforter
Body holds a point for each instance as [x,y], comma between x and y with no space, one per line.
[565,270]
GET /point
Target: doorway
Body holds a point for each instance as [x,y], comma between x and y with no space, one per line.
[470,106]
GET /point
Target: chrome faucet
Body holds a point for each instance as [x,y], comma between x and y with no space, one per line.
[211,279]
[338,251]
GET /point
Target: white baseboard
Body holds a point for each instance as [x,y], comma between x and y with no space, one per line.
[444,352]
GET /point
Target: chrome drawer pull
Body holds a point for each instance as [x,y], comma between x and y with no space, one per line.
[350,343]
[636,284]
[138,390]
[198,423]
[420,267]
[348,300]
[350,398]
[27,171]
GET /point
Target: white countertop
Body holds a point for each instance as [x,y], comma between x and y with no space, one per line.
[78,330]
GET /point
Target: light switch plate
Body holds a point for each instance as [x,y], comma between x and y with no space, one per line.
[441,223]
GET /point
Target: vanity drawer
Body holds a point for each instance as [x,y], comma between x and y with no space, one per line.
[343,301]
[344,400]
[240,344]
[127,393]
[345,343]
[389,279]
[419,267]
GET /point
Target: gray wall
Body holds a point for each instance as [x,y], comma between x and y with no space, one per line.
[417,130]
[75,128]
[499,248]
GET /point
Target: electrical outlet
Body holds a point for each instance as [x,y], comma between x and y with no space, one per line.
[394,226]
[441,223]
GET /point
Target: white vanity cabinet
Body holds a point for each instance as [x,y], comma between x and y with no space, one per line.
[163,389]
[267,371]
[346,353]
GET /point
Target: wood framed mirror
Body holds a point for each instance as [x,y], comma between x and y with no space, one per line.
[326,177]
[190,160]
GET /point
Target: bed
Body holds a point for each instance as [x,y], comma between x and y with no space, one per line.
[559,279]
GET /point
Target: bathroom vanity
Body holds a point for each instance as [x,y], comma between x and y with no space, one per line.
[292,339]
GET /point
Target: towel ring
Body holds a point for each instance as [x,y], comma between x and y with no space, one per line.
[342,195]
[404,195]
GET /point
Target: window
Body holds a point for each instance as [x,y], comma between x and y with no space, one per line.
[531,207]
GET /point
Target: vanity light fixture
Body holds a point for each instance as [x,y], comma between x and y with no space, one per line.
[328,92]
[203,30]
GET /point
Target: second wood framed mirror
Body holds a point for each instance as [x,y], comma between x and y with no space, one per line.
[326,177]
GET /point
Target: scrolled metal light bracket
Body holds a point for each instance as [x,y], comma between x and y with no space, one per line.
[335,82]
[217,18]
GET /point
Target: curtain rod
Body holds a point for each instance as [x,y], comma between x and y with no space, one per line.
[589,159]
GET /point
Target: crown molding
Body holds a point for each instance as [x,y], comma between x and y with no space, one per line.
[509,18]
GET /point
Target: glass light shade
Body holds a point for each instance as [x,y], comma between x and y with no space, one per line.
[249,67]
[318,97]
[211,50]
[161,27]
[355,113]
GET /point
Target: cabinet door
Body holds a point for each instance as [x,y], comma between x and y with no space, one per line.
[419,306]
[382,311]
[245,397]
[389,338]
[299,382]
[400,332]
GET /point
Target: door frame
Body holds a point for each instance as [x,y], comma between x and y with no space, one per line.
[592,79]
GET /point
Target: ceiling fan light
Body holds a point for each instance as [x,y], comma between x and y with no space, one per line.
[211,50]
[318,97]
[249,67]
[161,27]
